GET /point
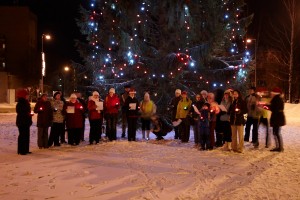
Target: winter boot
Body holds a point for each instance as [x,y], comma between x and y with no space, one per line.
[229,146]
[225,146]
[148,133]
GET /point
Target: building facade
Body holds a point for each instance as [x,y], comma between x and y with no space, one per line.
[19,56]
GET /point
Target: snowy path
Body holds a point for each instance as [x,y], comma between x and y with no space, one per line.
[148,170]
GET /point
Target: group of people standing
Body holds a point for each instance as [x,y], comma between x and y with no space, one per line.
[70,115]
[214,124]
[226,123]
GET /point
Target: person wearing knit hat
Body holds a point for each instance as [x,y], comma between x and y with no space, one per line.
[95,108]
[277,118]
[23,122]
[276,90]
[132,91]
[184,93]
[173,108]
[111,107]
[22,93]
[74,110]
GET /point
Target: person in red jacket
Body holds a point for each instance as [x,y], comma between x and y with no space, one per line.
[95,108]
[44,120]
[73,112]
[111,107]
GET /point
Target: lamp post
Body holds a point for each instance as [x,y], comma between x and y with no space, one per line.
[255,50]
[47,37]
[67,68]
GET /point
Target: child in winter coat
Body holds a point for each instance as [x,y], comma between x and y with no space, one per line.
[204,127]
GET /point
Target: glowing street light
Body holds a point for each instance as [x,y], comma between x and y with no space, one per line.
[47,37]
[67,68]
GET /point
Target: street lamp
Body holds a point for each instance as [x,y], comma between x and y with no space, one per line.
[47,37]
[67,68]
[255,50]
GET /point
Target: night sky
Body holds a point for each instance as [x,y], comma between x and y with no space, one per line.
[57,17]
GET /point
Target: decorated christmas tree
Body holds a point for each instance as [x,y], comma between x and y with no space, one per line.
[161,45]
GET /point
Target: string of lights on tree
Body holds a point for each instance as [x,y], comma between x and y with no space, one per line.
[118,33]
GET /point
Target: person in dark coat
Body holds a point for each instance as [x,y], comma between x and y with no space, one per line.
[252,117]
[173,108]
[123,98]
[23,122]
[204,133]
[85,109]
[277,117]
[196,106]
[237,121]
[132,105]
[44,120]
[160,127]
[74,113]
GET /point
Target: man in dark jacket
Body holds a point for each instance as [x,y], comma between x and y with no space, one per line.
[131,103]
[44,119]
[124,109]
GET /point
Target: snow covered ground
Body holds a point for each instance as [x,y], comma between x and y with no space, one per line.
[149,170]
